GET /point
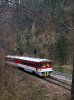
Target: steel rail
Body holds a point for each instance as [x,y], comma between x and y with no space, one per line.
[50,79]
[58,82]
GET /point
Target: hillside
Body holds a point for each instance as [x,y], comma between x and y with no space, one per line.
[42,28]
[19,85]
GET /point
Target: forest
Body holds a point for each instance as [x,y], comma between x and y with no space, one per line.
[37,28]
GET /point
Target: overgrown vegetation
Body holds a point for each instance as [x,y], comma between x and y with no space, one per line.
[62,49]
[41,30]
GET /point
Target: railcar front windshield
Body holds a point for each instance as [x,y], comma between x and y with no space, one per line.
[45,64]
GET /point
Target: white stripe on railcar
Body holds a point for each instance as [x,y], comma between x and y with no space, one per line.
[22,66]
[27,67]
[45,69]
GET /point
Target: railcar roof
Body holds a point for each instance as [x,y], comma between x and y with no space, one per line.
[30,59]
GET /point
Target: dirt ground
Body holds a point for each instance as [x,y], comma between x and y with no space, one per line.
[18,85]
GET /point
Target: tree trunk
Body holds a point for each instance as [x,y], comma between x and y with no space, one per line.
[72,88]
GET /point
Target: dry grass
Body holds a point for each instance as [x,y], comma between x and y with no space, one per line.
[64,68]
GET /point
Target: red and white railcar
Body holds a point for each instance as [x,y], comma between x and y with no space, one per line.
[42,67]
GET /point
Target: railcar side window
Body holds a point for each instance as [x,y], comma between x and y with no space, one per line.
[28,63]
[46,64]
[42,65]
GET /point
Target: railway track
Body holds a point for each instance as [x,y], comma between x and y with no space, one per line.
[58,82]
[54,80]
